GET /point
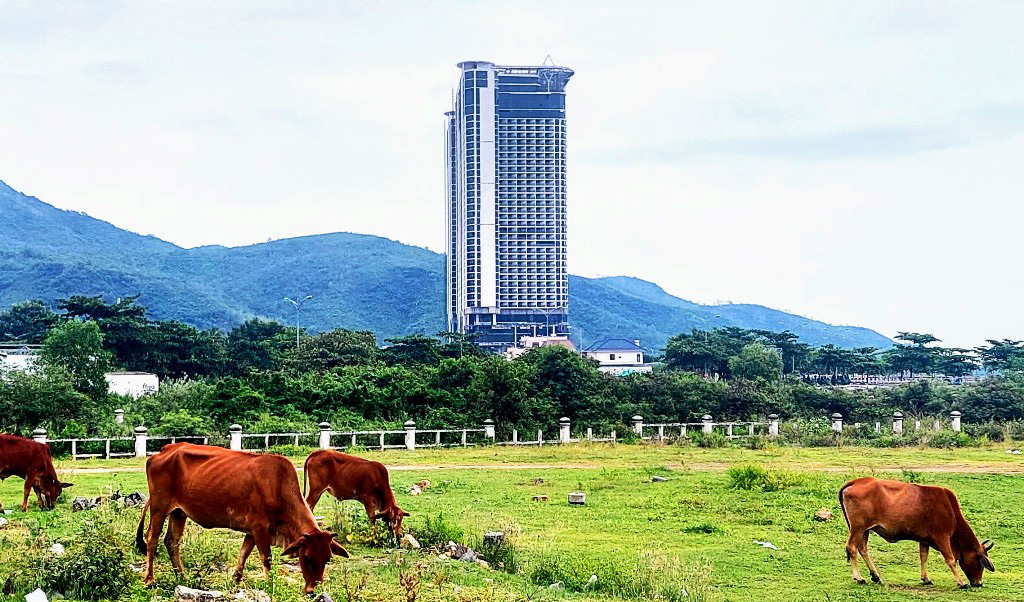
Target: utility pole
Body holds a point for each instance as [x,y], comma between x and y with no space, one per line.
[298,305]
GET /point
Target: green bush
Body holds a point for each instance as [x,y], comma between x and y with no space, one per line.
[649,576]
[949,438]
[711,440]
[438,532]
[95,565]
[752,477]
[503,555]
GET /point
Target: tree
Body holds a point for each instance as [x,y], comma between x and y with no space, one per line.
[335,348]
[954,361]
[26,322]
[412,349]
[77,348]
[706,351]
[1001,355]
[912,356]
[37,398]
[755,361]
[257,345]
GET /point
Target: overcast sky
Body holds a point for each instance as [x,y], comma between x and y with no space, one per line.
[858,163]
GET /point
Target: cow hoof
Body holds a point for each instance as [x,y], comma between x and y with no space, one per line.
[876,579]
[926,582]
[861,581]
[965,586]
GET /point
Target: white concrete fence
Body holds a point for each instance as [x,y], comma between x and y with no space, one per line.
[142,444]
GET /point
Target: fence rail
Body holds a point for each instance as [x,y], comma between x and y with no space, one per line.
[411,438]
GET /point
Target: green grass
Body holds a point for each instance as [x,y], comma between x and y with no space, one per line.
[696,530]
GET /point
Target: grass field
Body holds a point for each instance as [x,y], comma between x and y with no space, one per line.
[693,533]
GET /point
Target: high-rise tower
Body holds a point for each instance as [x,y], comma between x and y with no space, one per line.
[505,185]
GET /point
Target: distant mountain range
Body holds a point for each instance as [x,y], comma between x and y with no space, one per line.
[358,281]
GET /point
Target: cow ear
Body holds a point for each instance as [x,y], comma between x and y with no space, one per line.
[987,544]
[294,547]
[985,562]
[66,485]
[404,513]
[338,550]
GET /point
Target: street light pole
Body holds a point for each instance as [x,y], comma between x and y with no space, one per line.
[298,305]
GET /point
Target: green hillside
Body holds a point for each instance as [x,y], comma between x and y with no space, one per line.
[358,281]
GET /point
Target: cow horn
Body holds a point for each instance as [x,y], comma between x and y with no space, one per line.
[987,544]
[66,485]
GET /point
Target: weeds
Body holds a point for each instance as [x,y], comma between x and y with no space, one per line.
[756,478]
[438,532]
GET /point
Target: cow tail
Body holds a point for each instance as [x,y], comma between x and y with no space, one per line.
[843,505]
[140,539]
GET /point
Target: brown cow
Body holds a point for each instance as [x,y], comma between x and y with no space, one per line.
[900,511]
[255,494]
[353,478]
[31,461]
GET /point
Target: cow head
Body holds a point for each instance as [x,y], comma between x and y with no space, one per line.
[313,550]
[392,517]
[975,561]
[48,489]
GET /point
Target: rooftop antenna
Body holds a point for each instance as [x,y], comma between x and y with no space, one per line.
[549,61]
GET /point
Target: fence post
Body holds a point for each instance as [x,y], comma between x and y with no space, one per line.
[954,419]
[917,425]
[661,432]
[707,424]
[897,422]
[773,425]
[938,424]
[878,427]
[638,425]
[74,449]
[325,435]
[728,430]
[590,433]
[119,416]
[564,429]
[235,437]
[39,435]
[837,422]
[141,436]
[489,429]
[614,438]
[410,435]
[515,437]
[750,429]
[540,437]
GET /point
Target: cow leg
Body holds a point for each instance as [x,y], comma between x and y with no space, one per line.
[156,525]
[314,495]
[247,545]
[877,578]
[175,529]
[262,537]
[924,565]
[29,479]
[946,550]
[852,549]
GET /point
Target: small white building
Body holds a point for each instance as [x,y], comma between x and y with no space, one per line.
[18,357]
[527,343]
[132,384]
[618,356]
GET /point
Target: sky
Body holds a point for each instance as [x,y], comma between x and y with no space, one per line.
[854,162]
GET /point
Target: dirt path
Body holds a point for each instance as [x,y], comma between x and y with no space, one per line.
[972,468]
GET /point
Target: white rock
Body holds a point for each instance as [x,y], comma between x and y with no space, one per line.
[766,544]
[415,490]
[57,549]
[557,585]
[591,582]
[409,542]
[187,594]
[252,595]
[3,522]
[36,596]
[657,479]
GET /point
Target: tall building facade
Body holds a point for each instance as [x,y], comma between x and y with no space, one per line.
[505,185]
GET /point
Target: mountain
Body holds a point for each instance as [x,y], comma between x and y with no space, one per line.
[357,281]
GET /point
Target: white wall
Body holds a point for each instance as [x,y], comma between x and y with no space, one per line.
[617,358]
[132,385]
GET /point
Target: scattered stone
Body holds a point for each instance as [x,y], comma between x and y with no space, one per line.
[415,490]
[443,557]
[57,550]
[3,522]
[540,498]
[469,556]
[538,481]
[657,479]
[823,515]
[36,596]
[1015,452]
[252,595]
[557,585]
[591,582]
[766,544]
[82,503]
[423,485]
[133,499]
[187,594]
[409,542]
[323,598]
[577,498]
[493,538]
[480,562]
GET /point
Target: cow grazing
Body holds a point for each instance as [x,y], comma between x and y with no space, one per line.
[31,461]
[899,511]
[255,494]
[351,478]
